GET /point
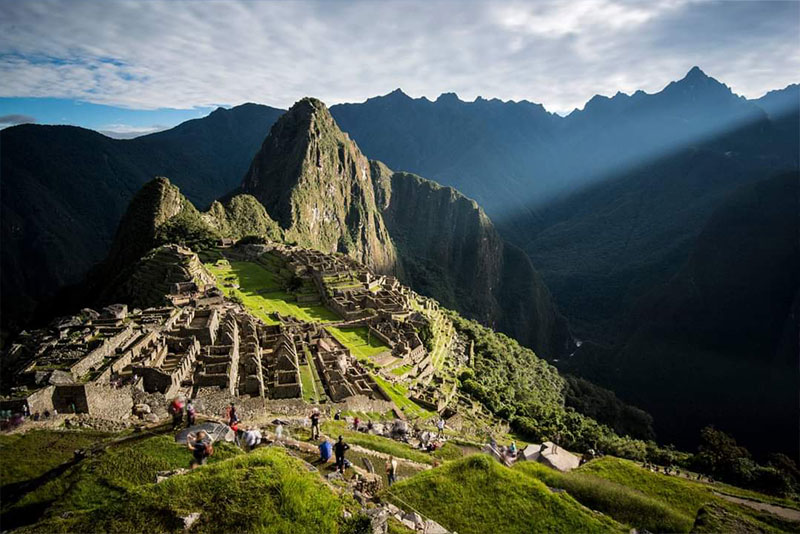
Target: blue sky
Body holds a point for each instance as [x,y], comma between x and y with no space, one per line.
[128,67]
[112,120]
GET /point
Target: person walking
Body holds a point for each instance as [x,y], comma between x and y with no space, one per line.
[191,414]
[339,450]
[176,410]
[315,425]
[440,426]
[231,414]
[391,470]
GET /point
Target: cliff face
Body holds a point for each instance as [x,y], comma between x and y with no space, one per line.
[314,181]
[450,249]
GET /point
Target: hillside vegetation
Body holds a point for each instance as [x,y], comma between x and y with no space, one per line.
[477,494]
[266,491]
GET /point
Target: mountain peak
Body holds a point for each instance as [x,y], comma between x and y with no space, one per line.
[445,98]
[695,73]
[315,183]
[306,107]
[398,92]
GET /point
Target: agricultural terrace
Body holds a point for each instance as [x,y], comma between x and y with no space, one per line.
[359,341]
[262,292]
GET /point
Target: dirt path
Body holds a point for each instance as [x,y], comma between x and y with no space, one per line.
[781,511]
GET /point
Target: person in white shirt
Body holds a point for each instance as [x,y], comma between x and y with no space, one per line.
[252,437]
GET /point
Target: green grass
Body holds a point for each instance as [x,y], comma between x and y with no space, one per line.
[361,344]
[260,290]
[399,395]
[307,381]
[29,455]
[684,496]
[265,491]
[475,495]
[401,370]
[376,443]
[449,451]
[624,504]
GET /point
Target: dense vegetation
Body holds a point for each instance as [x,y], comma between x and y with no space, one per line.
[719,342]
[529,392]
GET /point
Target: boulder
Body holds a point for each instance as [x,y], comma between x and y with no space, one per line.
[141,409]
[414,518]
[432,527]
[189,520]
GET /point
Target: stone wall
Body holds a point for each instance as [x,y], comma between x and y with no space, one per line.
[70,398]
[96,356]
[108,402]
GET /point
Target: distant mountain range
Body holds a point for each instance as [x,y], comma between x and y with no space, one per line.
[608,202]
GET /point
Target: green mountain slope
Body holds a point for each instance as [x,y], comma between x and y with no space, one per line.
[64,190]
[450,250]
[315,183]
[725,328]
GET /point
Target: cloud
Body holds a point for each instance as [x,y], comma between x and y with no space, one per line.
[11,120]
[153,54]
[127,131]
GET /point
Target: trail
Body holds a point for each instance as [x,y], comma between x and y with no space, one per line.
[781,511]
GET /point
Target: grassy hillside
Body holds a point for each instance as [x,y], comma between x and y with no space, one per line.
[266,491]
[683,498]
[478,495]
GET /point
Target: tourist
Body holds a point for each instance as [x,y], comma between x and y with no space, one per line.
[391,470]
[231,414]
[176,410]
[315,424]
[325,450]
[25,410]
[556,441]
[201,447]
[356,422]
[191,414]
[278,432]
[440,426]
[339,449]
[512,449]
[338,415]
[252,438]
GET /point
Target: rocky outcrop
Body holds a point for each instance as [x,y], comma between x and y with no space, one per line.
[314,181]
[241,216]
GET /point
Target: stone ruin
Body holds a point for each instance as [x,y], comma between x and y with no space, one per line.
[197,340]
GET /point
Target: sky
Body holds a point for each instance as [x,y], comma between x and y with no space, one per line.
[130,67]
